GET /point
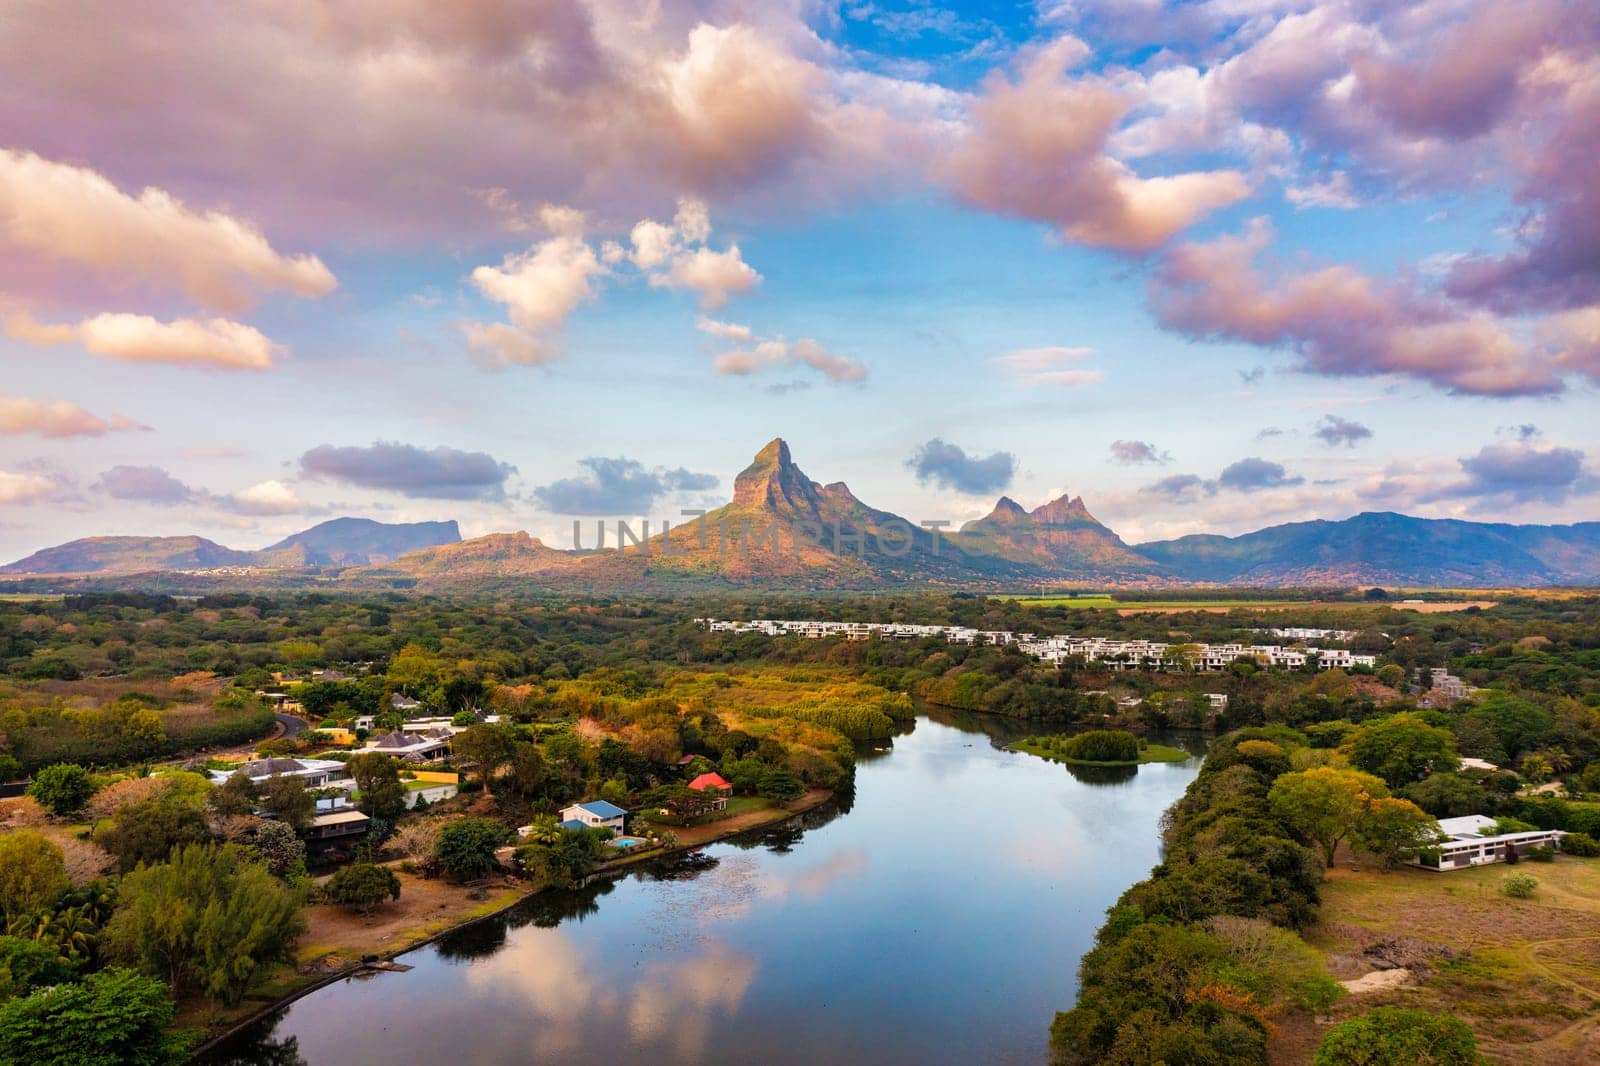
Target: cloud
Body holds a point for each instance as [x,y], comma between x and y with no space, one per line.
[714,275]
[1042,367]
[775,351]
[1334,192]
[1341,322]
[950,467]
[1254,474]
[440,473]
[1037,149]
[1179,487]
[130,338]
[56,418]
[1334,431]
[25,488]
[540,288]
[75,214]
[1520,472]
[145,484]
[267,498]
[1134,452]
[618,486]
[728,331]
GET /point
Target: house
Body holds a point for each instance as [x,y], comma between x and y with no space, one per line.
[1471,840]
[413,747]
[403,703]
[716,784]
[594,814]
[316,773]
[1470,763]
[335,829]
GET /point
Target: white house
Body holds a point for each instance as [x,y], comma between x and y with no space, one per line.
[1472,841]
[316,773]
[592,815]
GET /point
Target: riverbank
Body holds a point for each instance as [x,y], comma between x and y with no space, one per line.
[340,944]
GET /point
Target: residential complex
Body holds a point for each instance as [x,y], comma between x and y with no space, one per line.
[1057,650]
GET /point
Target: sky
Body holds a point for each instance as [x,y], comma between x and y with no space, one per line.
[1211,265]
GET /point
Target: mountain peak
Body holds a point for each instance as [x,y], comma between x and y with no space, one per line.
[1006,510]
[772,480]
[1064,510]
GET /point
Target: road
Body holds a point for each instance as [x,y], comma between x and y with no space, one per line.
[292,726]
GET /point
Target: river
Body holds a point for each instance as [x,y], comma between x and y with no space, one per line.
[937,916]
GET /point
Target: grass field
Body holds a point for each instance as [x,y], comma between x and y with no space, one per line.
[1526,975]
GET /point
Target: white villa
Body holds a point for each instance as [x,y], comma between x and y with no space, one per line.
[317,773]
[1474,842]
[1116,655]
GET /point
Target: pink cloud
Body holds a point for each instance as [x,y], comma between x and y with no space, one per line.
[1341,322]
[1037,149]
[130,338]
[72,213]
[56,418]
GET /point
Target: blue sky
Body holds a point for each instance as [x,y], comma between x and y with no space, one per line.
[877,227]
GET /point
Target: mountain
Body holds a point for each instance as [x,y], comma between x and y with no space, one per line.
[340,542]
[1387,548]
[129,555]
[1060,538]
[784,530]
[356,542]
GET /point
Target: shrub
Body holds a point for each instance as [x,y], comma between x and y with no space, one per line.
[64,787]
[363,886]
[1520,886]
[1102,745]
[114,1016]
[1541,853]
[33,873]
[1394,1036]
[466,846]
[1580,844]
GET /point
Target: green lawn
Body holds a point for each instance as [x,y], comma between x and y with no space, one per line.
[1147,753]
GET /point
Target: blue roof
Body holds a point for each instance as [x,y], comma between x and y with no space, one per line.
[602,809]
[573,824]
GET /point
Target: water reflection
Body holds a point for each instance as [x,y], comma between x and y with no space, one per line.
[940,920]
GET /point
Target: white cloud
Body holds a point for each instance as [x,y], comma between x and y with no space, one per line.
[728,331]
[267,498]
[1047,366]
[73,213]
[776,351]
[129,338]
[714,275]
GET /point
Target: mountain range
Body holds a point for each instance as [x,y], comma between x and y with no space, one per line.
[783,530]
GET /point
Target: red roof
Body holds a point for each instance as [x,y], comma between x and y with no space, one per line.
[705,781]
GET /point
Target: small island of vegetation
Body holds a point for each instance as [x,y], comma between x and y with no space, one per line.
[1099,747]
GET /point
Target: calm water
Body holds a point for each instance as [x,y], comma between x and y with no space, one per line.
[938,916]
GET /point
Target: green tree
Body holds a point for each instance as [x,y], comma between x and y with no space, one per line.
[528,768]
[10,768]
[285,798]
[64,787]
[466,847]
[363,886]
[1395,830]
[33,873]
[236,797]
[1395,1036]
[486,747]
[28,964]
[1447,795]
[1323,804]
[210,920]
[281,849]
[1402,748]
[781,785]
[383,794]
[116,1016]
[147,830]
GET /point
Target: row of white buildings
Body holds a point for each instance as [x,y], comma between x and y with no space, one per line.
[1057,650]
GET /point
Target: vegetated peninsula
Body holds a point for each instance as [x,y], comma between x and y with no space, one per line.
[782,530]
